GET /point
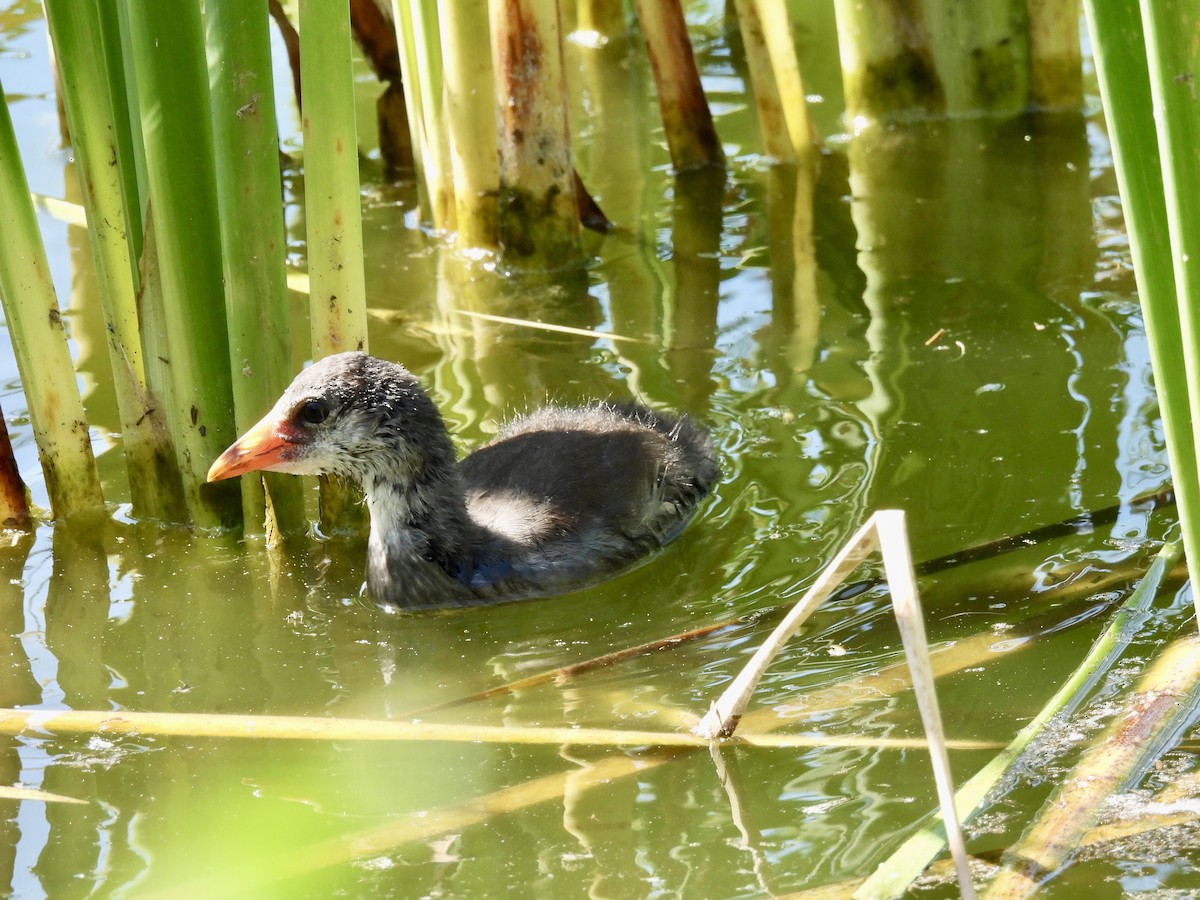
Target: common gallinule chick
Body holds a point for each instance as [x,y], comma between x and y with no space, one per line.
[556,500]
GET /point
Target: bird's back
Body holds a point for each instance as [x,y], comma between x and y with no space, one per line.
[566,495]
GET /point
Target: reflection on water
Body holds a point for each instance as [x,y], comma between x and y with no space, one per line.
[921,320]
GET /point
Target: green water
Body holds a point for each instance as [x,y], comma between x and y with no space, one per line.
[960,338]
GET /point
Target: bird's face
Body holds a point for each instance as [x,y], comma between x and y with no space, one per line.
[349,415]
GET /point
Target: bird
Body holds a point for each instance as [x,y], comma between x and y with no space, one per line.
[559,499]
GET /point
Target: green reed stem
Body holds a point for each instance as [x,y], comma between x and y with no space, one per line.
[337,289]
[39,340]
[338,301]
[253,239]
[173,93]
[114,29]
[470,111]
[1153,165]
[419,43]
[93,91]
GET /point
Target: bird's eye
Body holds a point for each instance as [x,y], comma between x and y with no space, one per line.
[314,412]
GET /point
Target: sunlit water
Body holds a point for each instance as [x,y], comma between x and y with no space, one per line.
[959,338]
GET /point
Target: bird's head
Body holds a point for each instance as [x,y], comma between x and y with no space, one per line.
[350,415]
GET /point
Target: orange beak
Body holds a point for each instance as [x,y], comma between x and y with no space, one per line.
[260,448]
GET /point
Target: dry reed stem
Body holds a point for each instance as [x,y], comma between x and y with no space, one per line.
[210,725]
[902,582]
[549,326]
[724,715]
[687,120]
[1165,698]
[886,531]
[14,499]
[23,793]
[570,671]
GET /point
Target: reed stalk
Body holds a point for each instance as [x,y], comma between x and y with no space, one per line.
[253,240]
[333,212]
[39,341]
[551,327]
[538,212]
[783,118]
[88,95]
[1170,50]
[603,20]
[92,87]
[24,793]
[933,58]
[143,249]
[1152,166]
[307,728]
[881,71]
[418,38]
[122,80]
[1164,701]
[1055,55]
[727,711]
[885,531]
[687,120]
[173,99]
[374,32]
[470,114]
[892,535]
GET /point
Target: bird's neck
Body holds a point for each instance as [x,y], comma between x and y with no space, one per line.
[419,539]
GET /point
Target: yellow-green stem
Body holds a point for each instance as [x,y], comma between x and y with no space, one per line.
[39,340]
